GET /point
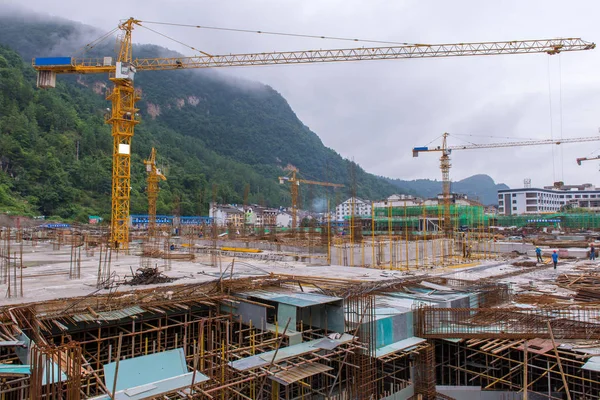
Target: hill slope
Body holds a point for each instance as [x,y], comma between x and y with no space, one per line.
[480,187]
[207,130]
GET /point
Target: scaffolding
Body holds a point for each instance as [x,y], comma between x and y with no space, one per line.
[510,365]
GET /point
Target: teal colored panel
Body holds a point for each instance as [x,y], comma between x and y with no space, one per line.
[335,317]
[143,370]
[385,332]
[409,324]
[15,369]
[285,312]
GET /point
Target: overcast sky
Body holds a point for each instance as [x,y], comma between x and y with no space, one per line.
[376,111]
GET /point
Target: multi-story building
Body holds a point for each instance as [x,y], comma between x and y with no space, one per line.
[458,199]
[226,215]
[352,206]
[398,200]
[547,200]
[261,216]
[284,220]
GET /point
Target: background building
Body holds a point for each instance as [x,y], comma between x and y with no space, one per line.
[352,206]
[547,200]
[398,200]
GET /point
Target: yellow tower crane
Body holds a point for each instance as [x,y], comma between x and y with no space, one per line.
[121,71]
[445,163]
[294,189]
[580,160]
[154,176]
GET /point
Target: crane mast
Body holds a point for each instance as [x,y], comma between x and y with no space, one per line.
[154,176]
[123,96]
[445,162]
[123,119]
[294,189]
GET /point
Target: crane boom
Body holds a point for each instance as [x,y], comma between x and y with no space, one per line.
[417,150]
[121,71]
[549,46]
[320,183]
[579,160]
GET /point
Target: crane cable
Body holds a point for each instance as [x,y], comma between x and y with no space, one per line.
[494,137]
[551,123]
[562,158]
[177,41]
[216,28]
[96,42]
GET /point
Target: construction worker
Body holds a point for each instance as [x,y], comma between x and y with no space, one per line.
[538,253]
[592,252]
[555,258]
[469,250]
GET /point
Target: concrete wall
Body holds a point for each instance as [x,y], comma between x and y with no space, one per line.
[475,393]
[394,328]
[403,394]
[261,245]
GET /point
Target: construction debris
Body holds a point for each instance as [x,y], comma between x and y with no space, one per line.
[525,264]
[148,276]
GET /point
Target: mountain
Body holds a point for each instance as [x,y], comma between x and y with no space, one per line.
[480,187]
[214,135]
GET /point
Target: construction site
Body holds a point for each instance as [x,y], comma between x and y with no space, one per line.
[188,317]
[407,303]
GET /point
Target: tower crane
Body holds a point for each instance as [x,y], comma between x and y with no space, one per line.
[294,189]
[580,160]
[154,176]
[445,162]
[121,71]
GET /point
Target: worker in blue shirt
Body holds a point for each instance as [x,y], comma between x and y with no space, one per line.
[592,252]
[555,258]
[538,253]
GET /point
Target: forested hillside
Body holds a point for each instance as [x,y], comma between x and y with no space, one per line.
[55,148]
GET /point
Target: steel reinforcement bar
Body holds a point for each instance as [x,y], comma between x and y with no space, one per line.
[504,323]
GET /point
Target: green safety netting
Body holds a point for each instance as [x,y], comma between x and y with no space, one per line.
[475,216]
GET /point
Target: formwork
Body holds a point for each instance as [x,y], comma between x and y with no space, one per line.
[75,342]
[505,366]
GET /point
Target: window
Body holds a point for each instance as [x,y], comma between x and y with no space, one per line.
[577,196]
[514,195]
[562,196]
[585,196]
[514,208]
[514,202]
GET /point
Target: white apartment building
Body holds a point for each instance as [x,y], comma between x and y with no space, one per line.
[547,200]
[398,200]
[457,199]
[360,207]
